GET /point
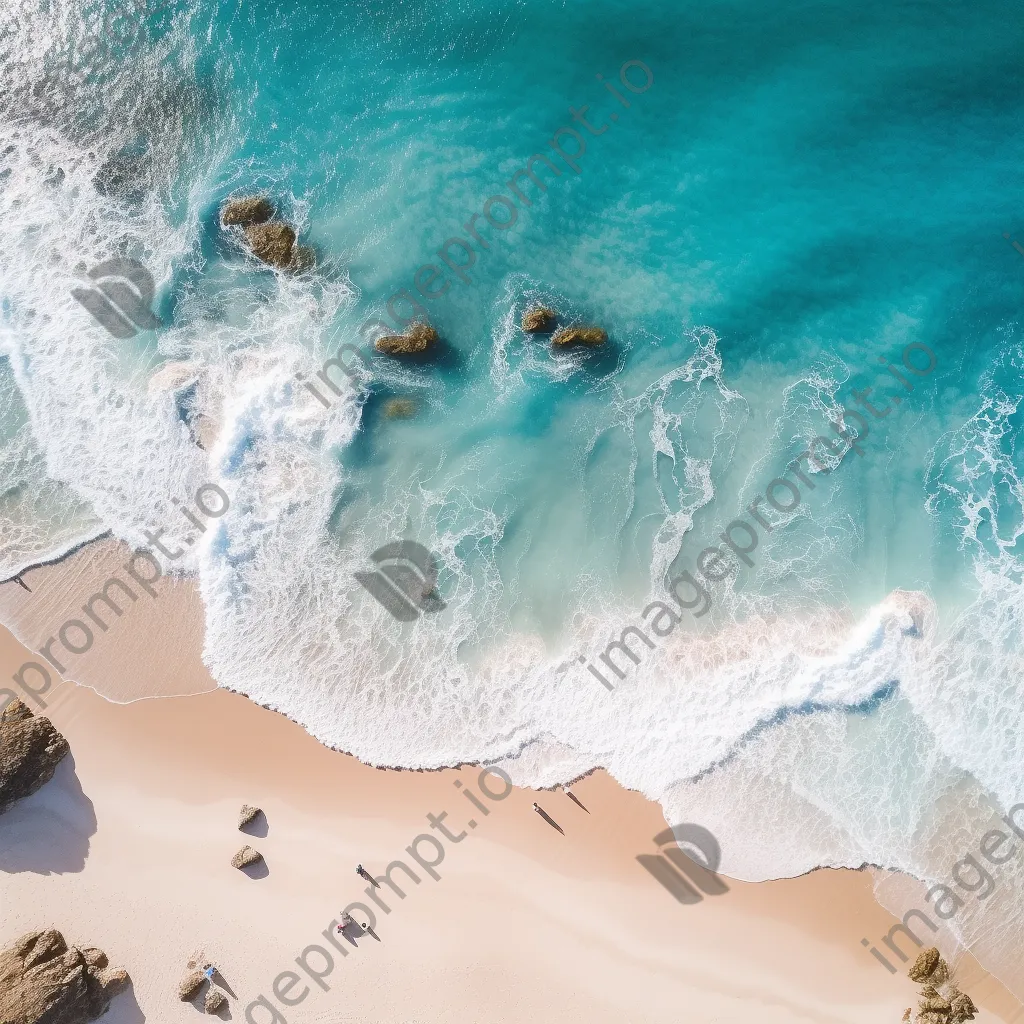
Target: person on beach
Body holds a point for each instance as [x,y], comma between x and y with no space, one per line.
[360,870]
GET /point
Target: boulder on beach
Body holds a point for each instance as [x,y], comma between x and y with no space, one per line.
[418,338]
[539,320]
[399,408]
[247,210]
[190,985]
[247,814]
[246,856]
[30,750]
[934,1003]
[272,243]
[214,1000]
[961,1008]
[924,966]
[579,336]
[44,981]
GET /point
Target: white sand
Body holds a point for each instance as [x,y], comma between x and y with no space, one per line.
[128,849]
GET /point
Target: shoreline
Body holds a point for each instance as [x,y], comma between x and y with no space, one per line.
[128,849]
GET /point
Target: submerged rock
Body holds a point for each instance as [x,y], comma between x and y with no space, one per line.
[247,210]
[539,320]
[44,981]
[247,814]
[399,408]
[190,985]
[579,336]
[30,750]
[246,856]
[418,338]
[214,1000]
[272,243]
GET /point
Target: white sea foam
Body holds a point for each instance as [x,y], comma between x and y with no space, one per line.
[800,731]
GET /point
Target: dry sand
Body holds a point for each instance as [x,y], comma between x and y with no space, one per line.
[129,848]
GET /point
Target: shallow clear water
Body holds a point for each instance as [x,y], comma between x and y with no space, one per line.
[793,194]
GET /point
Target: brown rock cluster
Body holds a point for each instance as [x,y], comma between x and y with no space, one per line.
[418,338]
[539,320]
[941,1001]
[30,750]
[44,981]
[579,336]
[269,240]
[246,856]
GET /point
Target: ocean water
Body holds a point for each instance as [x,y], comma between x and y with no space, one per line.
[770,206]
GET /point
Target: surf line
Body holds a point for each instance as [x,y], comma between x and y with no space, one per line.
[716,563]
[458,254]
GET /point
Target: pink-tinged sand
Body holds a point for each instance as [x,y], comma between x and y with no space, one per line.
[129,848]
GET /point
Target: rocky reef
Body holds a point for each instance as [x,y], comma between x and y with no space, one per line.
[579,336]
[30,750]
[44,981]
[247,210]
[418,338]
[539,320]
[270,241]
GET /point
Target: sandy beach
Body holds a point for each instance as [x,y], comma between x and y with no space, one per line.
[128,848]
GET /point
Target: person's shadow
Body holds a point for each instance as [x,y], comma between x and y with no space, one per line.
[48,832]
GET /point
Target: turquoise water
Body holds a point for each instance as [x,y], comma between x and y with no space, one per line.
[792,194]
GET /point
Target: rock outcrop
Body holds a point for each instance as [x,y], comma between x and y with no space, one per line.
[246,856]
[941,1001]
[246,814]
[214,1000]
[539,320]
[189,986]
[272,243]
[30,750]
[579,336]
[924,966]
[418,338]
[399,408]
[44,981]
[961,1008]
[245,211]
